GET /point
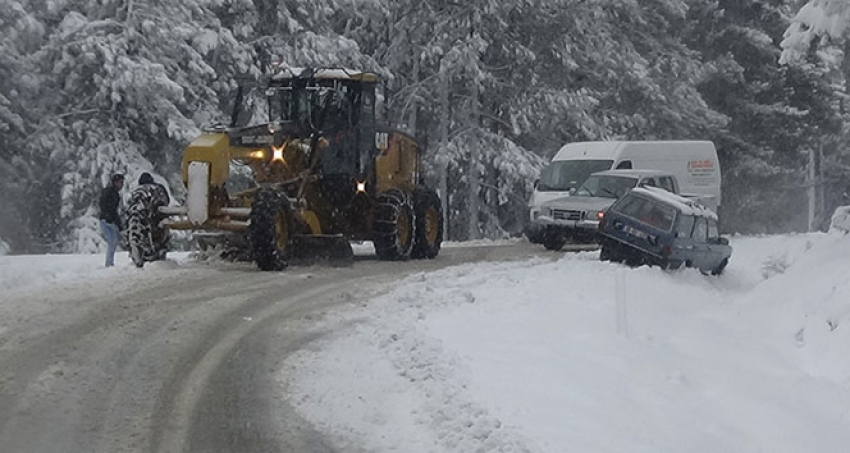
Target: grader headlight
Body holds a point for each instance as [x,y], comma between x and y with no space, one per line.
[258,154]
[277,153]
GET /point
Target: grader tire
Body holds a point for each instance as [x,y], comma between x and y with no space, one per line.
[428,214]
[147,240]
[270,230]
[394,227]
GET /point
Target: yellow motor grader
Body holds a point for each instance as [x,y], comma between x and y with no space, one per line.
[325,174]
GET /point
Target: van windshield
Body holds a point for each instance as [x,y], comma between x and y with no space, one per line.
[563,175]
[606,186]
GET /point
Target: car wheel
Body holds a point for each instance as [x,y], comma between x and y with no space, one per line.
[720,267]
[606,253]
[630,257]
[672,265]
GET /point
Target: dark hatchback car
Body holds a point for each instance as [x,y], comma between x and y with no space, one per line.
[655,227]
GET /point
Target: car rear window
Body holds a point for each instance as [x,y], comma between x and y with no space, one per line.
[686,225]
[649,212]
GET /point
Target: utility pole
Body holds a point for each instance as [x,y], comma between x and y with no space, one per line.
[442,159]
[475,121]
[814,189]
[472,174]
[810,189]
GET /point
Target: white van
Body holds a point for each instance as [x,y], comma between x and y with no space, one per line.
[694,163]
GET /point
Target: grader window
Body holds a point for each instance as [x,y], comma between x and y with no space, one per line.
[280,104]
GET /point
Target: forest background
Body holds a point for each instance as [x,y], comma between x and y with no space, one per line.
[492,88]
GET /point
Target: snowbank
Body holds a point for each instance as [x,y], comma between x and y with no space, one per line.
[580,355]
[840,220]
[29,272]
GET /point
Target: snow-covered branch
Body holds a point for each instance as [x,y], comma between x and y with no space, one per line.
[822,20]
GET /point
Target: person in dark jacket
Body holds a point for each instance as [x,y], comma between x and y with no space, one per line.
[110,223]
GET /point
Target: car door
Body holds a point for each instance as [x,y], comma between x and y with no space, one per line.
[700,237]
[715,249]
[684,242]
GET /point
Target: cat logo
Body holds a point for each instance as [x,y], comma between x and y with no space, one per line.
[382,140]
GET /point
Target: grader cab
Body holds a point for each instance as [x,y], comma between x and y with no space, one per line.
[324,174]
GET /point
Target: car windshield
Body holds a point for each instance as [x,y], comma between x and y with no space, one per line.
[606,186]
[564,175]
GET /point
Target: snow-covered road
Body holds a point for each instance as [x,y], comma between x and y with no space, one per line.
[179,356]
[489,348]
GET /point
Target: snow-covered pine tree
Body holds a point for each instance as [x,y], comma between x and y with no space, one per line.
[124,86]
[776,112]
[19,33]
[818,33]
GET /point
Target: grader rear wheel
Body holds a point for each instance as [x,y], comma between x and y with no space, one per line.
[394,228]
[270,230]
[429,223]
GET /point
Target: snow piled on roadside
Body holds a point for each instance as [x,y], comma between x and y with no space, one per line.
[580,355]
[25,272]
[393,380]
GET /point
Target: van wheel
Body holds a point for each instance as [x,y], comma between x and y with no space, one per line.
[533,234]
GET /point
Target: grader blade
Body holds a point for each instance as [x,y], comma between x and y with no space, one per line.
[320,249]
[225,245]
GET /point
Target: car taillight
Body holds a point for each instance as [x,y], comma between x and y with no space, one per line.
[666,250]
[600,215]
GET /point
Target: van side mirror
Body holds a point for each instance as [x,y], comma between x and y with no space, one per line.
[573,190]
[724,241]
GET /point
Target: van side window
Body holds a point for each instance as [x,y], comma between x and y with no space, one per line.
[624,165]
[666,183]
[685,227]
[712,229]
[701,230]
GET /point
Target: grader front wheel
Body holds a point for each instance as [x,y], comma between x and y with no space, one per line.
[270,230]
[394,228]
